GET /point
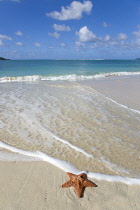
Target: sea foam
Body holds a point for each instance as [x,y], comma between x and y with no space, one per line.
[71,145]
[68,167]
[71,77]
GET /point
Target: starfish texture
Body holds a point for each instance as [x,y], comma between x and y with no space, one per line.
[79,182]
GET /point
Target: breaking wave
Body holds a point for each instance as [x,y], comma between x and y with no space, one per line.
[71,77]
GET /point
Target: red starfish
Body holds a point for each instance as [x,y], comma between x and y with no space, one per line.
[79,182]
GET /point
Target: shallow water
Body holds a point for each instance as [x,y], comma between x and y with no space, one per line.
[33,70]
[72,122]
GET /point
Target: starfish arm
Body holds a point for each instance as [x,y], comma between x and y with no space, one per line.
[88,183]
[67,184]
[79,191]
[72,176]
[83,176]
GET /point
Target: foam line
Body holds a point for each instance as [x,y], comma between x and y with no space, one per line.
[114,178]
[71,145]
[65,166]
[126,107]
[68,167]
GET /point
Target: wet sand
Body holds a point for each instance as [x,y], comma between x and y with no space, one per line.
[124,90]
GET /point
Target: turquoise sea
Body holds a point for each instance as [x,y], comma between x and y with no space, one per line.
[66,69]
[46,113]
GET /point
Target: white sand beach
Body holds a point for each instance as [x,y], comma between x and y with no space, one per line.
[37,185]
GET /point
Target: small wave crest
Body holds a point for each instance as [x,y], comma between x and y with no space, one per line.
[33,78]
[71,77]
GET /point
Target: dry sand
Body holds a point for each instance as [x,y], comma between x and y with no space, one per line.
[37,185]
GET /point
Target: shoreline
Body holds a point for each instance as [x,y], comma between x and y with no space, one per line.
[123,90]
[37,185]
[18,155]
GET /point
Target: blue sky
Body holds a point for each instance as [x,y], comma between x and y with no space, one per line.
[65,29]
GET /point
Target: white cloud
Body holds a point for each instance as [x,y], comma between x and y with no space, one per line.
[18,33]
[3,37]
[96,44]
[122,37]
[107,38]
[1,43]
[63,45]
[109,41]
[37,44]
[120,41]
[113,43]
[137,33]
[61,27]
[79,44]
[51,47]
[105,25]
[74,11]
[55,34]
[137,42]
[85,35]
[19,44]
